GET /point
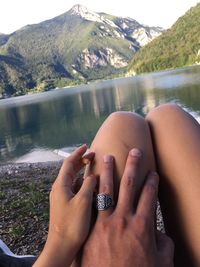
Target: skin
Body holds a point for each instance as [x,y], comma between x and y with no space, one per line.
[176,152]
[70,217]
[123,236]
[70,214]
[177,160]
[176,138]
[119,133]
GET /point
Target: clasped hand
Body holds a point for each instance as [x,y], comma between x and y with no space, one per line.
[123,236]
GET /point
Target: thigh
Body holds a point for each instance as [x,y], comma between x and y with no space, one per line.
[176,139]
[121,132]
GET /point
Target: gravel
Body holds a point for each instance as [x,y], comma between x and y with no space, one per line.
[24,209]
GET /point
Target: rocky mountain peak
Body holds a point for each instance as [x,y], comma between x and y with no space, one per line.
[85,13]
[60,59]
[79,9]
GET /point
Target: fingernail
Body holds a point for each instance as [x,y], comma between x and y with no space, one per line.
[108,159]
[92,176]
[86,161]
[153,173]
[84,145]
[136,153]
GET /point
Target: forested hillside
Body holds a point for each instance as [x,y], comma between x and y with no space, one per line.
[75,47]
[177,47]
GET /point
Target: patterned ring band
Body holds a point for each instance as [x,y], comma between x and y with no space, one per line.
[103,201]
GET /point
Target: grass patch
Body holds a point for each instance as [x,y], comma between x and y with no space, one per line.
[24,208]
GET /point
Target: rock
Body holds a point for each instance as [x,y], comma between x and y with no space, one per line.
[143,36]
[102,57]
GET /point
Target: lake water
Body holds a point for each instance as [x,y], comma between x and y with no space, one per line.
[31,127]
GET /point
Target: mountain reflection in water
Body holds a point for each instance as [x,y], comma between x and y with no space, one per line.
[68,117]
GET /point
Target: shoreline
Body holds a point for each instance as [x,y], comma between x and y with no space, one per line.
[24,209]
[11,167]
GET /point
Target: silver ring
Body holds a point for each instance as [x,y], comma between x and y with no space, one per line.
[103,201]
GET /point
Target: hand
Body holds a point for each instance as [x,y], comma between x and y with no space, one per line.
[69,214]
[125,236]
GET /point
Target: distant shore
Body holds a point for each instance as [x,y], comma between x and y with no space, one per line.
[24,210]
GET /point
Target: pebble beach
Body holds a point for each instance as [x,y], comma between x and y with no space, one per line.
[24,209]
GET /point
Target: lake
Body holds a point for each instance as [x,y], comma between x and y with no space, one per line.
[33,127]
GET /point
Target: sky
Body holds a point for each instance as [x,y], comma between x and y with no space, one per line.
[15,14]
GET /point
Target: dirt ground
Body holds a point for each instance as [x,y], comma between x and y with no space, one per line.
[24,208]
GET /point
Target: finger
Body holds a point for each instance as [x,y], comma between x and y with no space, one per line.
[87,158]
[128,182]
[164,243]
[78,181]
[148,199]
[86,162]
[76,184]
[70,167]
[87,188]
[106,183]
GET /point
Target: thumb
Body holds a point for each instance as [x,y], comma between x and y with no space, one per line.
[88,186]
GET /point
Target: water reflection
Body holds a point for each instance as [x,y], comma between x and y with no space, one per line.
[69,117]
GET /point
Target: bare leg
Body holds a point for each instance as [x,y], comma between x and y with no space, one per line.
[117,136]
[121,132]
[176,138]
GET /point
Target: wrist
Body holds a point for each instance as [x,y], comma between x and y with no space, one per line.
[57,252]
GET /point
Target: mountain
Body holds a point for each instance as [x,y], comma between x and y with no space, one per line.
[3,38]
[77,46]
[177,47]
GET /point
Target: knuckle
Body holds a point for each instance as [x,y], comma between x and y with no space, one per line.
[102,226]
[81,202]
[121,222]
[106,188]
[142,224]
[128,181]
[83,198]
[150,189]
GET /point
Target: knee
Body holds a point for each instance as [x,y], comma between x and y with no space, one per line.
[163,112]
[126,121]
[123,117]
